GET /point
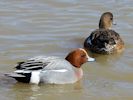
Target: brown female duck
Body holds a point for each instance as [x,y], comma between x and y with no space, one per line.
[104,40]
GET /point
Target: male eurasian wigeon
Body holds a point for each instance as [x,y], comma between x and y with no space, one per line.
[104,40]
[53,70]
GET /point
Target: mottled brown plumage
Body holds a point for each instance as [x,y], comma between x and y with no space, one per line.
[104,40]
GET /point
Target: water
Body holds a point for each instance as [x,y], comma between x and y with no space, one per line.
[55,27]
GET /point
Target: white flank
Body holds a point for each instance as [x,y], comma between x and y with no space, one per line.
[35,77]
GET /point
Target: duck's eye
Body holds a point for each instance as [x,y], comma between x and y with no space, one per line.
[111,18]
[83,55]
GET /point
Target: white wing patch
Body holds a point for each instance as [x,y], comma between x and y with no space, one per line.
[60,70]
[22,71]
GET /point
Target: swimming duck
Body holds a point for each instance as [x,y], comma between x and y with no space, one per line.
[104,40]
[53,70]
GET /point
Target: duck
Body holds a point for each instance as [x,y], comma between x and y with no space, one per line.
[104,40]
[52,70]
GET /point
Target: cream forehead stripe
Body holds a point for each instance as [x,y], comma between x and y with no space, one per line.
[84,51]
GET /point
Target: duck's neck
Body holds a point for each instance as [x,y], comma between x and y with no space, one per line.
[104,25]
[79,73]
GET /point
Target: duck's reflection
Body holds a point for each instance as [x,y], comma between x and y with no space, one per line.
[24,91]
